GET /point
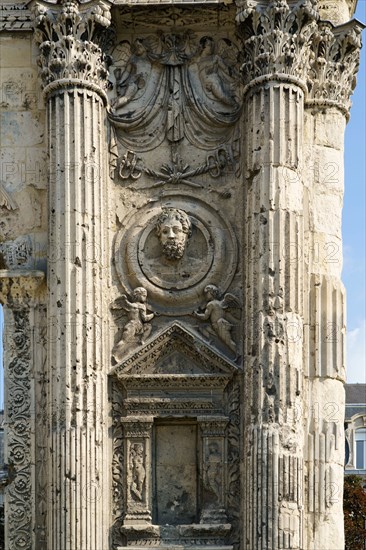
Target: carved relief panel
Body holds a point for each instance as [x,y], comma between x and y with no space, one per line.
[174,136]
[174,119]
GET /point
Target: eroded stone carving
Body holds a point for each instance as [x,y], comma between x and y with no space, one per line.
[137,469]
[276,38]
[334,64]
[6,200]
[216,313]
[170,85]
[173,228]
[68,41]
[138,326]
[140,259]
[177,172]
[16,253]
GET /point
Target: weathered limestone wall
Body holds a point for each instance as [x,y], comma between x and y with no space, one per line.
[183,201]
[23,175]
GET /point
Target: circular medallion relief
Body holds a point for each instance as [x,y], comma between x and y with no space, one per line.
[174,248]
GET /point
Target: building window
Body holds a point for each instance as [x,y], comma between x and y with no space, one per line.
[360,439]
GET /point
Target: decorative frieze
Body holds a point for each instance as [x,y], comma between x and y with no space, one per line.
[68,36]
[15,17]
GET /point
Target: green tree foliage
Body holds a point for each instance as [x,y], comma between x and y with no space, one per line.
[354,506]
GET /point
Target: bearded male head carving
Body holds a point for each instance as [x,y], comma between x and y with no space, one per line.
[173,228]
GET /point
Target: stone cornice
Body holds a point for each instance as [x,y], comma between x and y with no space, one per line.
[69,36]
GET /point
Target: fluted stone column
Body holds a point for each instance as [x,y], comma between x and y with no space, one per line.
[331,80]
[275,50]
[299,73]
[74,75]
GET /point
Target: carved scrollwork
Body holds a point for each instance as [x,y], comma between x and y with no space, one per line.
[19,492]
[68,37]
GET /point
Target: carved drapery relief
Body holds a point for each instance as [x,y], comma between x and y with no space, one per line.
[174,86]
[68,39]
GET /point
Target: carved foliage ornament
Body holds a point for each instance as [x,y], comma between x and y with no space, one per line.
[279,39]
[68,37]
[276,38]
[19,498]
[335,58]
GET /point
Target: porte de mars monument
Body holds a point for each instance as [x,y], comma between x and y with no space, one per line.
[171,195]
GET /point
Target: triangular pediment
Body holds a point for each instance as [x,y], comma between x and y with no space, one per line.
[177,351]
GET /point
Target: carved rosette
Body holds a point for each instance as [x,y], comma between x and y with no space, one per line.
[69,36]
[276,40]
[335,59]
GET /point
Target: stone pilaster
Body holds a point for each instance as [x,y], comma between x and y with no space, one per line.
[73,72]
[332,73]
[21,295]
[276,41]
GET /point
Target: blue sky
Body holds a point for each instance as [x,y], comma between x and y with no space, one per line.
[354,229]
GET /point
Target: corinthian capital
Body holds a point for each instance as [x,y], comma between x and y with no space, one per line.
[68,35]
[276,38]
[334,62]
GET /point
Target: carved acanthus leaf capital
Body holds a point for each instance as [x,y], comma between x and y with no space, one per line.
[276,39]
[69,36]
[335,59]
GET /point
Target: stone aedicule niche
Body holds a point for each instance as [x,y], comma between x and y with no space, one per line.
[176,443]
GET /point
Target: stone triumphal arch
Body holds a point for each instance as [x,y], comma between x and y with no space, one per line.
[171,193]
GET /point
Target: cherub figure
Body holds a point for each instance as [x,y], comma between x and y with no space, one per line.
[215,311]
[138,325]
[215,73]
[133,78]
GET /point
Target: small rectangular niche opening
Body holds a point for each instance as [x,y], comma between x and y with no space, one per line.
[176,473]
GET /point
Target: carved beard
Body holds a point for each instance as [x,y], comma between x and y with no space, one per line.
[174,250]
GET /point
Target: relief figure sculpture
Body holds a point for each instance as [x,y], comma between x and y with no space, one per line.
[166,258]
[137,470]
[215,312]
[138,325]
[131,79]
[214,73]
[213,476]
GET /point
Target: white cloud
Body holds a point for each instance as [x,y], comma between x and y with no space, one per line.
[356,355]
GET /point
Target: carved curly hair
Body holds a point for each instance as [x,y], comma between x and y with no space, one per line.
[174,214]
